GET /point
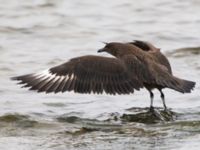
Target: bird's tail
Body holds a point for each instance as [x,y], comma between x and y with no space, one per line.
[184,86]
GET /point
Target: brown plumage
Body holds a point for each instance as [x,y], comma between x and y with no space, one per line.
[135,65]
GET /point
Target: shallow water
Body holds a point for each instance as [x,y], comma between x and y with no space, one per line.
[36,35]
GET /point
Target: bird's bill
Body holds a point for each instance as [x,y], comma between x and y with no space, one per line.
[101,50]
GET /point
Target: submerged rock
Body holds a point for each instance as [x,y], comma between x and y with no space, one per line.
[148,116]
[135,114]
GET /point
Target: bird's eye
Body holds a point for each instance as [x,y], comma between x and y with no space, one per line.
[107,46]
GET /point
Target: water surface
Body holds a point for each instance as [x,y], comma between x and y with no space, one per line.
[36,35]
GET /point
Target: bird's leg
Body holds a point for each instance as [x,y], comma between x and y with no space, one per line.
[151,104]
[163,99]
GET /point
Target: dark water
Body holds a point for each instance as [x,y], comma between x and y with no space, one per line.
[36,35]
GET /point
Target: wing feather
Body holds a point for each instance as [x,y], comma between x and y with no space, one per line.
[84,75]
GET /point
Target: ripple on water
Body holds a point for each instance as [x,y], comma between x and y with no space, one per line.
[87,124]
[192,126]
[184,52]
[55,104]
[11,30]
[18,120]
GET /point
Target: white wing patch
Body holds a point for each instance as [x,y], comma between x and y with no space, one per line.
[52,81]
[45,73]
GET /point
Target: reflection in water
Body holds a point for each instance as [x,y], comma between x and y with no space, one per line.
[35,35]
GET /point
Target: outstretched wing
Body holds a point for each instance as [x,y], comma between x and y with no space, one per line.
[84,75]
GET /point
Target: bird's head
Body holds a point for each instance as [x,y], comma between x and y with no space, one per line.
[113,48]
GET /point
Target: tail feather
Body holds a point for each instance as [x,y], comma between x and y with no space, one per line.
[185,86]
[188,86]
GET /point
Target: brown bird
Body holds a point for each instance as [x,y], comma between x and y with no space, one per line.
[135,65]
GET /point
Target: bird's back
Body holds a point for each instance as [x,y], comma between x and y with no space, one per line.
[154,53]
[162,60]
